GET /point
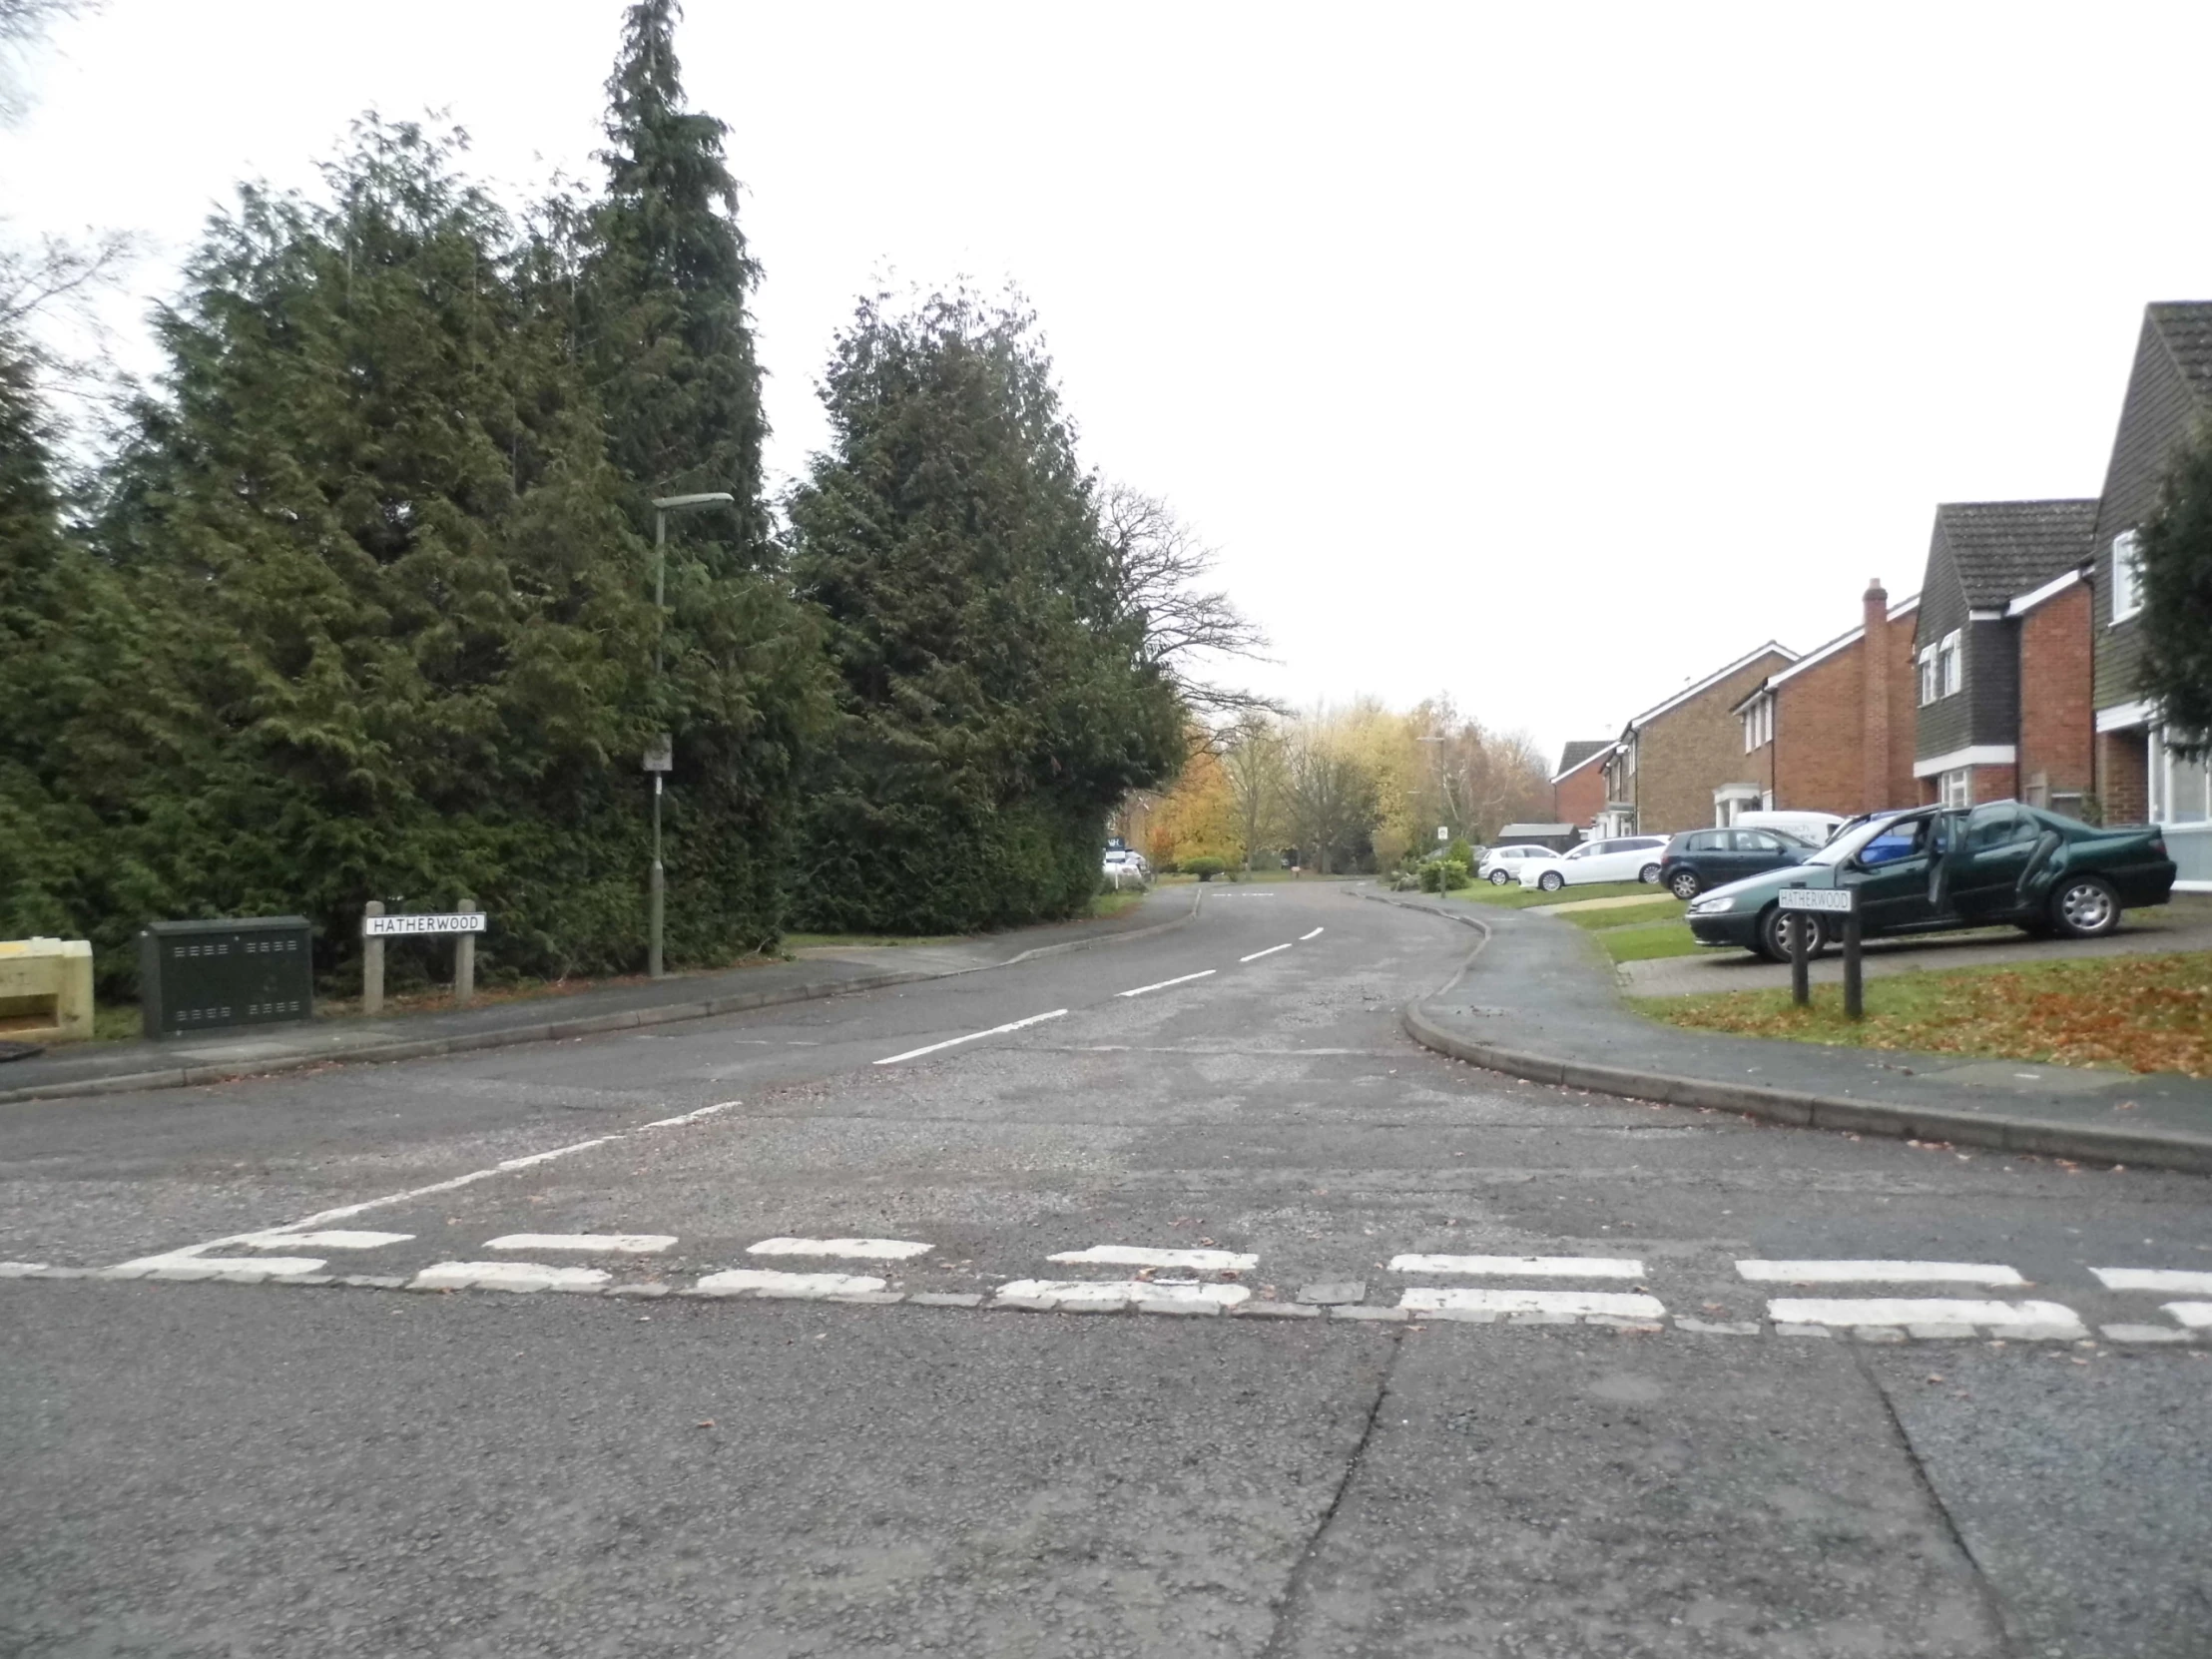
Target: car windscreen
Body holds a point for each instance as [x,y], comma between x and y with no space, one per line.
[1848,841]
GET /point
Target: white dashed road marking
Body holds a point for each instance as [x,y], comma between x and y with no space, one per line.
[2197,1316]
[1164,983]
[596,1243]
[865,1250]
[972,1036]
[1616,1304]
[324,1240]
[1926,1310]
[505,1276]
[1257,954]
[2154,1279]
[1128,1289]
[1315,934]
[1879,1273]
[1534,1266]
[788,1284]
[1141,1256]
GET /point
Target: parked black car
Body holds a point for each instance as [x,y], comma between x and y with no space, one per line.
[1938,868]
[1699,858]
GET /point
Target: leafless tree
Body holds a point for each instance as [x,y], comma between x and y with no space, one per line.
[1251,758]
[1160,568]
[1330,796]
[23,24]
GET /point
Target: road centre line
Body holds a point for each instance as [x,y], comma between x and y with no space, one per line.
[866,1250]
[1257,954]
[1910,1310]
[1879,1273]
[2154,1279]
[1615,1304]
[1315,934]
[603,1244]
[344,1211]
[1143,1256]
[1206,974]
[504,1275]
[1534,1266]
[972,1036]
[324,1240]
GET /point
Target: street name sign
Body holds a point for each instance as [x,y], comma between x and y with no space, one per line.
[454,922]
[1835,900]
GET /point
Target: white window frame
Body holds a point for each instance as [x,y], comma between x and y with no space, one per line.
[2127,575]
[2163,806]
[1928,675]
[1759,723]
[1949,663]
[1955,788]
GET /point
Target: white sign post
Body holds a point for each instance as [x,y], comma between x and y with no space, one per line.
[461,926]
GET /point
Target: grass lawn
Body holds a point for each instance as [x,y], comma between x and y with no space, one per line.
[1518,897]
[1117,904]
[1648,941]
[1629,915]
[2137,1013]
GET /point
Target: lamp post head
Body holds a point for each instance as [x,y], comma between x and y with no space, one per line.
[709,499]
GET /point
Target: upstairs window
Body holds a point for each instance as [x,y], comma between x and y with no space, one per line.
[1951,670]
[1759,724]
[2127,575]
[1929,692]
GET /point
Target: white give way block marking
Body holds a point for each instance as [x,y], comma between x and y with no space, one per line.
[1140,1256]
[768,1283]
[1532,1266]
[865,1250]
[339,1240]
[2197,1316]
[2155,1278]
[1257,954]
[2050,1317]
[505,1276]
[972,1036]
[1163,984]
[1128,1289]
[596,1243]
[1879,1273]
[1615,1302]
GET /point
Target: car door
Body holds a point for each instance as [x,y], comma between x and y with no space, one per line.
[1578,863]
[1991,853]
[1758,850]
[1895,874]
[1613,862]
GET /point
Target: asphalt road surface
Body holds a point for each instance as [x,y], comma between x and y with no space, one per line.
[1215,1320]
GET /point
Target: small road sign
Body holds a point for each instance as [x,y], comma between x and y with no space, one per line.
[455,921]
[1835,900]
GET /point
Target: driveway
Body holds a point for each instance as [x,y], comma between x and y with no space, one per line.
[2180,926]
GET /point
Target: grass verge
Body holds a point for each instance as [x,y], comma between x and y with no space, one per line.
[1628,915]
[1647,941]
[1518,897]
[2135,1013]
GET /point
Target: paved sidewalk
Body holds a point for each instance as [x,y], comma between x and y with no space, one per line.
[111,1068]
[1538,1000]
[2143,933]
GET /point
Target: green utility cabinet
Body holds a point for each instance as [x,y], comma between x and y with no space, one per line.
[208,975]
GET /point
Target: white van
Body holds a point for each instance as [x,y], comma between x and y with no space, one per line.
[1812,828]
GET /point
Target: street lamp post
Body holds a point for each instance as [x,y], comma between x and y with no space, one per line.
[660,758]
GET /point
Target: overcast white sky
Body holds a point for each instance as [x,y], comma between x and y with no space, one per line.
[1546,356]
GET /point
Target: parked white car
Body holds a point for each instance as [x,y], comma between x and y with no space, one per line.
[1628,858]
[1500,864]
[1813,828]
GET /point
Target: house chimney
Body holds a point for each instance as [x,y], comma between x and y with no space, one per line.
[1874,670]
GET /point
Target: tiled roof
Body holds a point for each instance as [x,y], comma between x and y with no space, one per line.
[2186,327]
[2006,548]
[1576,753]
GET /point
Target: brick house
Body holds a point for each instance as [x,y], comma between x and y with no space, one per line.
[1824,734]
[2139,779]
[1578,786]
[1680,764]
[1989,721]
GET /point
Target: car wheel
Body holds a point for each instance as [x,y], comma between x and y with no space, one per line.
[1649,875]
[1499,877]
[2084,907]
[1685,884]
[1774,933]
[1551,880]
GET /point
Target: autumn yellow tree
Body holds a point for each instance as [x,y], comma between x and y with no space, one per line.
[1198,818]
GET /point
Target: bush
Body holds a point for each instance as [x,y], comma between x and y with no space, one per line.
[1204,868]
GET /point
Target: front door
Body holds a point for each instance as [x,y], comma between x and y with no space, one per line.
[1894,874]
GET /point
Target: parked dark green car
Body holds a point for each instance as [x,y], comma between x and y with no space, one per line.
[1937,868]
